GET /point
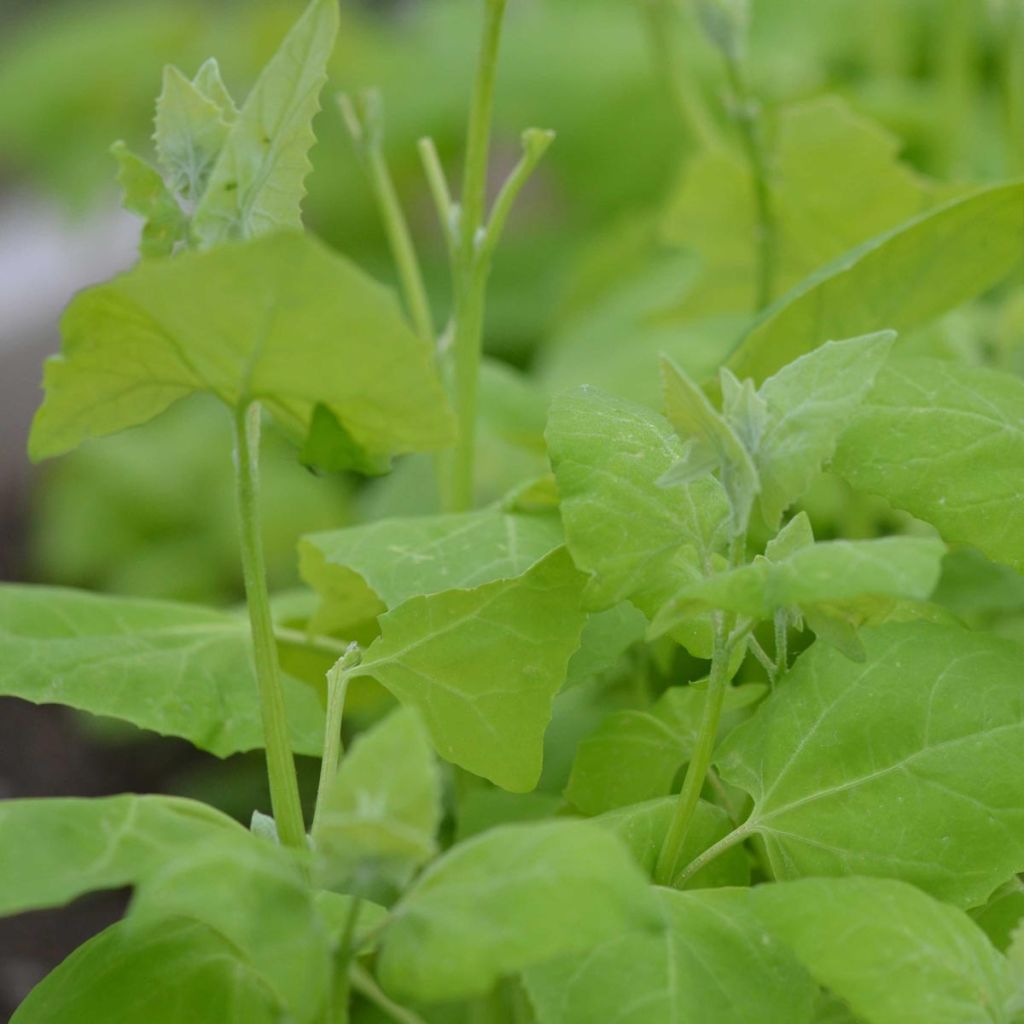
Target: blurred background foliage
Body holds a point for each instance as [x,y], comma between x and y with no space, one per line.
[636,236]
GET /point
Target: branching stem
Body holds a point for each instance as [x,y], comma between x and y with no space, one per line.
[284,787]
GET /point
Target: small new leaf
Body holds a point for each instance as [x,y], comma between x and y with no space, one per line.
[145,193]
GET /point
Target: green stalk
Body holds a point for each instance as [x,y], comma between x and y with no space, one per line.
[958,79]
[366,128]
[662,33]
[1013,84]
[284,787]
[748,121]
[364,983]
[737,835]
[700,761]
[781,644]
[337,689]
[471,270]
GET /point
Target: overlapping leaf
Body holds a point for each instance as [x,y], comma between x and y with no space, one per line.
[515,896]
[483,665]
[946,443]
[909,766]
[174,668]
[280,319]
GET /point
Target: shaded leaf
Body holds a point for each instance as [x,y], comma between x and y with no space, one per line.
[145,193]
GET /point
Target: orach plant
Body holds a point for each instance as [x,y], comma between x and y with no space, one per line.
[745,835]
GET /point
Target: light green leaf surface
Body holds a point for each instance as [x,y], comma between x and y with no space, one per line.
[809,404]
[606,638]
[713,964]
[190,130]
[836,180]
[209,82]
[697,422]
[945,442]
[891,952]
[177,669]
[257,896]
[515,896]
[381,812]
[643,826]
[943,258]
[52,851]
[169,972]
[483,666]
[832,573]
[635,755]
[282,319]
[623,528]
[257,182]
[909,766]
[361,571]
[145,194]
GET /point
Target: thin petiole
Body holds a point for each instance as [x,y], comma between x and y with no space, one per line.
[365,125]
[284,787]
[447,211]
[337,688]
[737,835]
[364,983]
[781,643]
[762,656]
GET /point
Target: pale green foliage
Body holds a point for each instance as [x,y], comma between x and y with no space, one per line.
[190,131]
[807,405]
[636,539]
[381,812]
[173,668]
[946,443]
[840,576]
[635,755]
[909,766]
[642,827]
[836,181]
[256,896]
[892,953]
[712,963]
[483,665]
[361,571]
[515,896]
[52,851]
[256,183]
[950,254]
[165,973]
[281,319]
[146,194]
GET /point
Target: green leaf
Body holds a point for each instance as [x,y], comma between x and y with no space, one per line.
[636,755]
[946,443]
[363,570]
[833,573]
[177,669]
[209,82]
[696,420]
[607,636]
[190,132]
[281,319]
[836,180]
[1002,915]
[512,897]
[623,528]
[483,665]
[713,964]
[643,827]
[257,182]
[256,895]
[892,953]
[381,812]
[809,404]
[146,194]
[951,254]
[169,972]
[909,766]
[52,851]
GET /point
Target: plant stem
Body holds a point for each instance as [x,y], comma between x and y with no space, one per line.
[364,984]
[668,62]
[748,120]
[762,656]
[958,79]
[1013,84]
[737,835]
[344,959]
[337,688]
[700,761]
[470,270]
[284,787]
[781,645]
[367,132]
[325,644]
